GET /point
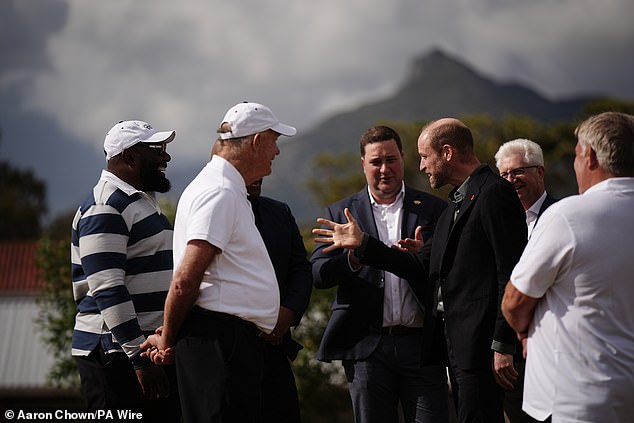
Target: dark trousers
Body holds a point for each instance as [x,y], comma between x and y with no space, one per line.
[280,402]
[219,363]
[477,397]
[109,382]
[393,374]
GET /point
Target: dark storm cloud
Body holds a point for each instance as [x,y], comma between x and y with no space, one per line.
[84,64]
[25,27]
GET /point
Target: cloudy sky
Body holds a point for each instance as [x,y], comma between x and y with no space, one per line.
[73,68]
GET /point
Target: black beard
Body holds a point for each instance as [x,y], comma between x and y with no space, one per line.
[153,179]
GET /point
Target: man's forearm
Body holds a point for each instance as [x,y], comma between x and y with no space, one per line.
[518,309]
[177,305]
[406,265]
[185,287]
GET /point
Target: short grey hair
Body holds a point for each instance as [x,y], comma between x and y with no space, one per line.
[530,151]
[611,137]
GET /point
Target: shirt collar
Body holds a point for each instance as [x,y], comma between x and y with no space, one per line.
[621,183]
[397,200]
[108,176]
[458,194]
[231,173]
[537,205]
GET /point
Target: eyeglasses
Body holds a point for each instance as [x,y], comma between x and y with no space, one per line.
[159,148]
[516,172]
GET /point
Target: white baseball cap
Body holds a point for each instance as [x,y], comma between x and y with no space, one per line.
[250,118]
[127,133]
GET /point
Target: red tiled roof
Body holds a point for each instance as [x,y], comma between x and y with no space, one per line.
[18,272]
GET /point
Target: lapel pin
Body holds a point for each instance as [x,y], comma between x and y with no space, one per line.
[417,202]
[472,197]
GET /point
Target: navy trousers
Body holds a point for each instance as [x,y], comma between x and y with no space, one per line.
[393,377]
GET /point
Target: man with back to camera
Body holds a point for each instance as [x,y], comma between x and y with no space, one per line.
[380,326]
[476,243]
[571,293]
[121,256]
[521,162]
[224,292]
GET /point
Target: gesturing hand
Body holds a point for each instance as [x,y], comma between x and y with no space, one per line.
[340,235]
[411,245]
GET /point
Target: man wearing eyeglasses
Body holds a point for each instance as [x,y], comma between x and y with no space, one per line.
[121,256]
[521,162]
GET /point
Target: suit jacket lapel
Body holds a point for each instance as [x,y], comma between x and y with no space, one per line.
[472,194]
[478,178]
[548,201]
[473,190]
[363,213]
[411,203]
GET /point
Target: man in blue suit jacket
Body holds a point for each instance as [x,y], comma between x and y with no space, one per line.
[521,162]
[381,326]
[285,247]
[477,242]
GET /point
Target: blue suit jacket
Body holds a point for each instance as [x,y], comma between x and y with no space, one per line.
[276,224]
[354,329]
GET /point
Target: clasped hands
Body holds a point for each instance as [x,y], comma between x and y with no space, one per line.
[349,235]
[155,349]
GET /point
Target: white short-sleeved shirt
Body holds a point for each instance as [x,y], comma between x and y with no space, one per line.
[241,279]
[580,360]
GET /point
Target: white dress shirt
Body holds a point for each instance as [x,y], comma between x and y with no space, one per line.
[399,304]
[533,212]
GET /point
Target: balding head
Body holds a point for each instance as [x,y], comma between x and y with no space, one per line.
[449,131]
[446,150]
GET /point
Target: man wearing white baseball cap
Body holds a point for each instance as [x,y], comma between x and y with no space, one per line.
[250,118]
[126,134]
[224,291]
[121,256]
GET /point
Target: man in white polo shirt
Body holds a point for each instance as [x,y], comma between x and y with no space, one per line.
[224,291]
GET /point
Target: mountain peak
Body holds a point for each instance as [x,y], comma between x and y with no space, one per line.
[435,62]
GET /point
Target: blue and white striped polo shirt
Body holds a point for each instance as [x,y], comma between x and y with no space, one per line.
[121,254]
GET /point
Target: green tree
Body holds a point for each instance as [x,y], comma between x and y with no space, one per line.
[606,105]
[57,310]
[337,177]
[22,203]
[319,383]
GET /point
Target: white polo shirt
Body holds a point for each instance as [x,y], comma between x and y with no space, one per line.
[240,280]
[579,261]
